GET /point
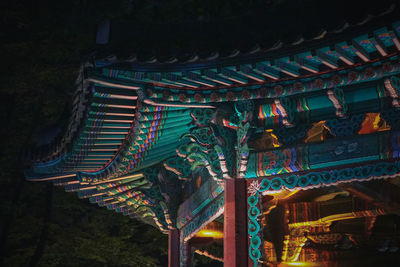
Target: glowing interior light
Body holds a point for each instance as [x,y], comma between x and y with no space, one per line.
[208,233]
[275,142]
[297,263]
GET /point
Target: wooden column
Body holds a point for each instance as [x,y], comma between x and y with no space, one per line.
[173,248]
[235,223]
[189,255]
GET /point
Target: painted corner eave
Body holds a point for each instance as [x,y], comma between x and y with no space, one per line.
[34,177]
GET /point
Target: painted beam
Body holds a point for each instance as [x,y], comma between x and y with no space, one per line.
[213,76]
[247,71]
[332,153]
[194,77]
[346,52]
[267,70]
[286,66]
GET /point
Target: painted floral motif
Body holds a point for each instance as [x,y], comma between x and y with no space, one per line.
[279,161]
[254,187]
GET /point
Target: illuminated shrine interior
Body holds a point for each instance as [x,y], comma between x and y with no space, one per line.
[346,225]
[209,240]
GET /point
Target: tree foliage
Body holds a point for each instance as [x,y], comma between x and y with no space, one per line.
[42,46]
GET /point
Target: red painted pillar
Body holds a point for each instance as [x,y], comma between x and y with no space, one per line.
[235,223]
[173,248]
[189,255]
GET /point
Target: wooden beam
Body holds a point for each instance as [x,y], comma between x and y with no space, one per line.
[235,224]
[385,197]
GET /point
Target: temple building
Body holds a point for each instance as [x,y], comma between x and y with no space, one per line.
[281,155]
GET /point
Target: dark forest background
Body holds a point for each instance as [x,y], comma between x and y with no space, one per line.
[42,45]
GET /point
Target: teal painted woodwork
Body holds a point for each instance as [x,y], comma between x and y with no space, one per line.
[350,150]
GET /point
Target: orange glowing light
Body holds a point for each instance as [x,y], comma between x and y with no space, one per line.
[284,194]
[373,123]
[275,142]
[208,233]
[298,263]
[317,132]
